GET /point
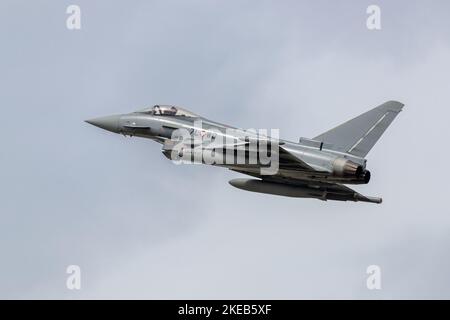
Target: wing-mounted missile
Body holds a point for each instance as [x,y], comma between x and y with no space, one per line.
[324,192]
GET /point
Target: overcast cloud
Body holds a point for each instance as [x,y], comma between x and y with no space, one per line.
[141,227]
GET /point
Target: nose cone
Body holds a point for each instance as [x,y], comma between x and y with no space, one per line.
[110,123]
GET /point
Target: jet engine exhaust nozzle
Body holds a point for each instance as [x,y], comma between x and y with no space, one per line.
[343,167]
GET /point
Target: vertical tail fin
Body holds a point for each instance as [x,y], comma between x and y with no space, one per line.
[359,135]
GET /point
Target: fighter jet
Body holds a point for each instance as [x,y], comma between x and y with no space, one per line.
[311,168]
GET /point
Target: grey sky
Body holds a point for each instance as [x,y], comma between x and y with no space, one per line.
[141,227]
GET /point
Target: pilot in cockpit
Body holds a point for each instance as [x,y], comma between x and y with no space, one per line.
[162,110]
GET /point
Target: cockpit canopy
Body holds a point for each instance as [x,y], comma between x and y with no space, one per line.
[167,110]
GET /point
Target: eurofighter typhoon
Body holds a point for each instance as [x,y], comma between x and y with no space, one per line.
[311,168]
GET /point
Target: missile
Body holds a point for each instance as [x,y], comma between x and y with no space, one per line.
[321,192]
